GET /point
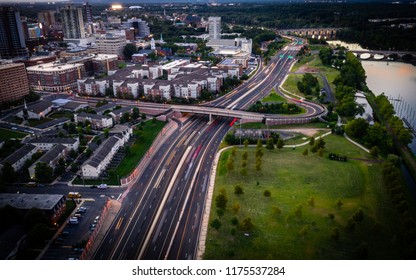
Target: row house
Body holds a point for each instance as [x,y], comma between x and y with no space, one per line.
[97,121]
[160,89]
[100,159]
[51,158]
[126,88]
[93,87]
[47,143]
[118,114]
[20,156]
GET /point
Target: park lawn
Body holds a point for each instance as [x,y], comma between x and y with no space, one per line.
[291,84]
[293,179]
[6,134]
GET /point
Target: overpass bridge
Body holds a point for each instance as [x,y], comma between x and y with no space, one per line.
[313,111]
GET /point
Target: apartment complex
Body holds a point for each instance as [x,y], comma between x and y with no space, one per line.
[12,37]
[55,76]
[185,80]
[139,27]
[13,82]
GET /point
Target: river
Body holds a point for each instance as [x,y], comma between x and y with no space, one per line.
[396,80]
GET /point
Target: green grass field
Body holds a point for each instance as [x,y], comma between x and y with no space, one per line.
[6,134]
[293,179]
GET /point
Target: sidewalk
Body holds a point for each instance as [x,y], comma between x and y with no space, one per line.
[105,226]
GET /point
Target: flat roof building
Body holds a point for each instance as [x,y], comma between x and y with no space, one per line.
[13,82]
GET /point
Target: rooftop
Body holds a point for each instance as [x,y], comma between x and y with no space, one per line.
[101,153]
[53,140]
[19,154]
[28,201]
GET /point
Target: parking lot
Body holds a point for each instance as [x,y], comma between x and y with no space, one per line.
[71,239]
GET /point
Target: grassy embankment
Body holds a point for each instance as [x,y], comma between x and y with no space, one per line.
[293,179]
[314,63]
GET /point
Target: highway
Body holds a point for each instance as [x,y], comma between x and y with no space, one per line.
[161,213]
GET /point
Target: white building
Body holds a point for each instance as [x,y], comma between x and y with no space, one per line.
[97,163]
[111,43]
[97,121]
[214,27]
[47,143]
[20,156]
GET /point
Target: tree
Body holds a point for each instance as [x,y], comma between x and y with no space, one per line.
[246,142]
[236,208]
[358,215]
[129,50]
[35,216]
[339,203]
[304,231]
[244,171]
[277,210]
[280,143]
[230,164]
[8,173]
[311,202]
[357,128]
[269,144]
[312,141]
[267,193]
[321,152]
[298,211]
[233,151]
[244,156]
[305,152]
[246,224]
[374,151]
[43,172]
[220,212]
[335,234]
[221,199]
[37,235]
[238,190]
[135,114]
[215,224]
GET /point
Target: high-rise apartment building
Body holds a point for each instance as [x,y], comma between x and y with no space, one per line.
[12,37]
[87,13]
[13,82]
[214,27]
[72,22]
[141,29]
[47,18]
